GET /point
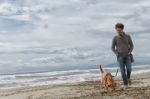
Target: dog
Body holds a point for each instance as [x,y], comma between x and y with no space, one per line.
[107,79]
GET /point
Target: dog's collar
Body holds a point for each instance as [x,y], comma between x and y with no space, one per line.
[106,76]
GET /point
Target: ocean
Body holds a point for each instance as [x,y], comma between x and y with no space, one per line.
[60,77]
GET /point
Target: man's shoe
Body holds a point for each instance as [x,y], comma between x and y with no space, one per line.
[129,81]
[124,87]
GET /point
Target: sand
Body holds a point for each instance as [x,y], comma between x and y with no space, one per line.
[140,89]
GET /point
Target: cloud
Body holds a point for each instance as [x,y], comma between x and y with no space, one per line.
[59,32]
[7,9]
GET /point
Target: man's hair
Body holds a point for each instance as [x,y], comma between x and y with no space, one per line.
[119,25]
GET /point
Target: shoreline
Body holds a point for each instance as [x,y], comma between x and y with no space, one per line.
[140,88]
[28,80]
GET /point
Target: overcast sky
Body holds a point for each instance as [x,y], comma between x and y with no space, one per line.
[49,33]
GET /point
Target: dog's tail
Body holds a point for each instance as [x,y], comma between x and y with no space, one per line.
[101,69]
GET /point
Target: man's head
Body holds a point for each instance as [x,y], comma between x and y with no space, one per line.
[119,28]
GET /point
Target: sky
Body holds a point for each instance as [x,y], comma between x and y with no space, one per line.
[41,34]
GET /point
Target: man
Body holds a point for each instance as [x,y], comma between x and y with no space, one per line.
[122,46]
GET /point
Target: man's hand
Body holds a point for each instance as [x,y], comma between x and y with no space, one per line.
[129,53]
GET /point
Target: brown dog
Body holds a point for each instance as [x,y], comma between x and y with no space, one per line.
[107,79]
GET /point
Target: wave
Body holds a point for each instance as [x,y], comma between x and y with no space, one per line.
[59,77]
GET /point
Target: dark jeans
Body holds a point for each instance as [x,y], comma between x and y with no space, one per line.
[125,67]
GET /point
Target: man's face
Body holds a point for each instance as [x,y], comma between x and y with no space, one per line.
[119,31]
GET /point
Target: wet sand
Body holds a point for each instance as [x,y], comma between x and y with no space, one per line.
[140,89]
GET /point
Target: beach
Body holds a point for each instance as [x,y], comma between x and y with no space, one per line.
[52,49]
[140,89]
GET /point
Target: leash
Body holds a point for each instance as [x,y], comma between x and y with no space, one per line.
[117,72]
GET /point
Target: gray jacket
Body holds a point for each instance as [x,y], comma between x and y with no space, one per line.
[119,46]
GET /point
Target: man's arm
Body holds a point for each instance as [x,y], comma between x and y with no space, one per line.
[131,44]
[113,47]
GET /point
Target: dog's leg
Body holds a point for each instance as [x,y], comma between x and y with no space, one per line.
[102,81]
[106,86]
